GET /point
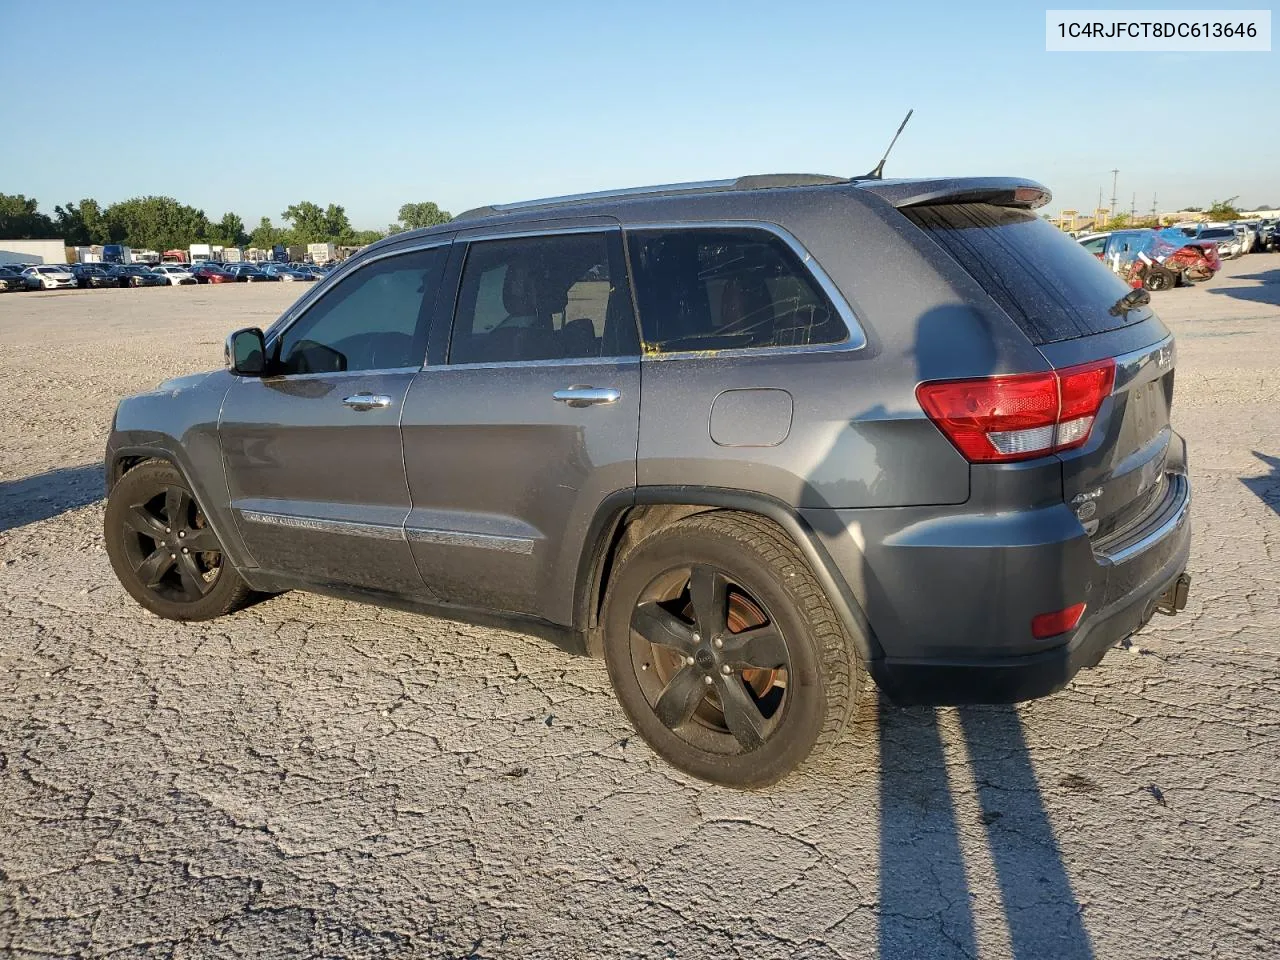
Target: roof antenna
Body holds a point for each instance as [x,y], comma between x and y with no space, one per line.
[878,172]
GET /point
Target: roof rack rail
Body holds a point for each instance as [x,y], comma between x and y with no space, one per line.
[763,181]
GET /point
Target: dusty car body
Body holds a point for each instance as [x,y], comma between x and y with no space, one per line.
[753,442]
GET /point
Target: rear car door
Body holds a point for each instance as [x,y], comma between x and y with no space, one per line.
[524,421]
[312,450]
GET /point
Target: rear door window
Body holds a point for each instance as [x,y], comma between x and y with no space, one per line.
[1046,282]
[727,289]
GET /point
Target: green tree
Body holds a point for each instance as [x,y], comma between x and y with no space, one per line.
[156,223]
[21,219]
[359,238]
[266,235]
[426,214]
[229,231]
[308,221]
[1224,209]
[1118,222]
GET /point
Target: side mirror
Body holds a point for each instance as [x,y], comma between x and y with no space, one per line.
[246,353]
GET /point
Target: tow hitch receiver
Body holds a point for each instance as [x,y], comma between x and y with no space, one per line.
[1175,598]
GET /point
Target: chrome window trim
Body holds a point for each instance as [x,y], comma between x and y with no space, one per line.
[513,231]
[462,538]
[857,338]
[322,287]
[503,364]
[332,374]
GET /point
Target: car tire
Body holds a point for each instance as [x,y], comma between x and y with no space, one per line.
[775,682]
[151,512]
[1158,278]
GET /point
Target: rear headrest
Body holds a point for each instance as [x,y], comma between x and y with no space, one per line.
[519,290]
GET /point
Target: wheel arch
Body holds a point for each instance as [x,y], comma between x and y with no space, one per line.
[121,459]
[629,516]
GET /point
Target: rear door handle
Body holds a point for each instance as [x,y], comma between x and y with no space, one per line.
[367,401]
[584,396]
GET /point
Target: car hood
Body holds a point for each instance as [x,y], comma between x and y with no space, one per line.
[188,382]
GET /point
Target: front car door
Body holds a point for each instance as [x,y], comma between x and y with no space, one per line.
[525,420]
[312,450]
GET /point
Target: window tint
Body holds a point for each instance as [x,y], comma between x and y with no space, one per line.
[1046,282]
[1095,245]
[374,319]
[727,289]
[544,298]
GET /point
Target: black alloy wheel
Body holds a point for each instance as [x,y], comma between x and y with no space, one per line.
[724,651]
[163,549]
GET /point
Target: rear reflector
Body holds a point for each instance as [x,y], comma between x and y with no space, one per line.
[1018,416]
[1051,624]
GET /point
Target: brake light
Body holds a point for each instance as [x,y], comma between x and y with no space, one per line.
[1060,621]
[1001,419]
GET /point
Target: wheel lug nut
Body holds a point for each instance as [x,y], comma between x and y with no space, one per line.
[173,556]
[726,669]
[696,637]
[185,550]
[689,661]
[707,681]
[168,530]
[717,643]
[182,533]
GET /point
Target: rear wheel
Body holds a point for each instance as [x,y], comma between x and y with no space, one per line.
[163,550]
[724,651]
[1158,278]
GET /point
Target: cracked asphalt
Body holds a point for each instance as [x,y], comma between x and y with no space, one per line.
[318,778]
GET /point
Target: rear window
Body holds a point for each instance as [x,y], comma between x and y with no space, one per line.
[1050,286]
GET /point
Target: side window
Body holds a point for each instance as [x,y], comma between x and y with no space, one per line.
[721,289]
[554,297]
[374,319]
[1095,245]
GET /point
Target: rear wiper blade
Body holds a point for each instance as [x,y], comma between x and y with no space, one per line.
[1130,301]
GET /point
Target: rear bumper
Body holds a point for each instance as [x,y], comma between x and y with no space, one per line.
[1016,678]
[951,598]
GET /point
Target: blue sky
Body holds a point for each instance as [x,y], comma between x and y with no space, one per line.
[252,107]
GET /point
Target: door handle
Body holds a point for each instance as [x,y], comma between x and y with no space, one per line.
[367,401]
[581,395]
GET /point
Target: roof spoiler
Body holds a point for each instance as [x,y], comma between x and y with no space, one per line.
[1000,191]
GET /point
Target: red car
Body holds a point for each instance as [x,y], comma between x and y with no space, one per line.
[213,273]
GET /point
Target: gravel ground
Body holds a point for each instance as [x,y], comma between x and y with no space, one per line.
[317,778]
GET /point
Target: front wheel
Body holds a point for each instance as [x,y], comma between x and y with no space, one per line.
[163,550]
[724,651]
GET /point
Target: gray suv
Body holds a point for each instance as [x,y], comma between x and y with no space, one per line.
[749,441]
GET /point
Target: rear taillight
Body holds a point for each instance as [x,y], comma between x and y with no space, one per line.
[1018,416]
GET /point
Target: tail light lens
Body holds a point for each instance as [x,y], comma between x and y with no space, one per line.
[1001,419]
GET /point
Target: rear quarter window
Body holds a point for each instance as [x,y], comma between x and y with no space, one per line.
[1049,285]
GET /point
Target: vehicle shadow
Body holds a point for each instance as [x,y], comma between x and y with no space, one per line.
[1266,488]
[1267,290]
[49,494]
[926,905]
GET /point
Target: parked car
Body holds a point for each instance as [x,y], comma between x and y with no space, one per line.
[1269,235]
[49,276]
[135,275]
[176,274]
[1225,236]
[967,488]
[248,273]
[207,271]
[92,275]
[284,272]
[11,280]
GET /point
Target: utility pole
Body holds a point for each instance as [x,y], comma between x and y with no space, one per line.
[1133,208]
[1115,176]
[1154,216]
